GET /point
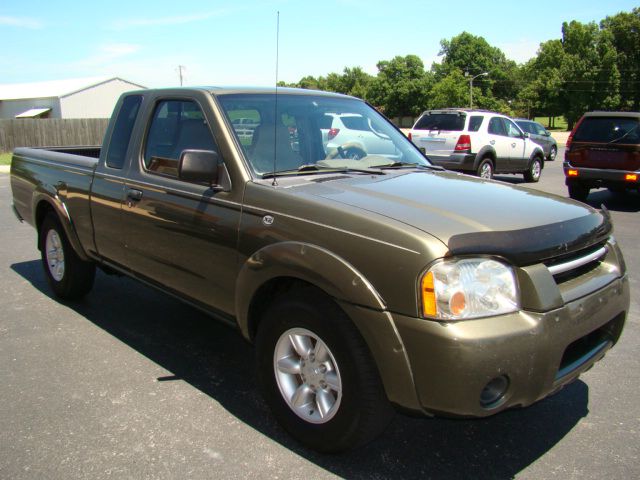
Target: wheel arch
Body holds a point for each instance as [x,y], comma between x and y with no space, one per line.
[485,152]
[43,204]
[279,267]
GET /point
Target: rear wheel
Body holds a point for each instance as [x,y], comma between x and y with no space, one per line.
[578,192]
[69,277]
[485,169]
[317,374]
[534,171]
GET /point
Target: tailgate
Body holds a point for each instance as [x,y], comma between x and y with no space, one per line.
[605,156]
[435,142]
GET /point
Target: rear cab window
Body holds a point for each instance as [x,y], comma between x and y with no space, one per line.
[608,130]
[121,135]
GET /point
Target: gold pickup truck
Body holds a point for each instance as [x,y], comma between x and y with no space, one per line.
[366,281]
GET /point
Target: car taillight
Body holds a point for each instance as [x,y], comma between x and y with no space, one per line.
[333,132]
[464,144]
[410,136]
[573,132]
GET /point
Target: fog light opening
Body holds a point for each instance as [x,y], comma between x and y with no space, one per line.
[494,391]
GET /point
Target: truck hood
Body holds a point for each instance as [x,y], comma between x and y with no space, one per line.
[474,216]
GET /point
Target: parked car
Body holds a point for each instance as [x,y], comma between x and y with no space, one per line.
[541,136]
[477,142]
[363,283]
[603,151]
[356,135]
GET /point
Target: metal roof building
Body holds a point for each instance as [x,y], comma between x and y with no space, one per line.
[92,97]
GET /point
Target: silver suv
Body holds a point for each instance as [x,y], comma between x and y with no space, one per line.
[478,142]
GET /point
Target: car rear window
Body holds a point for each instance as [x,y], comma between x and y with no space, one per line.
[441,121]
[355,123]
[608,130]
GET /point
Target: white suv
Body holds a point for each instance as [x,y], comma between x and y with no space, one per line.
[355,136]
[478,142]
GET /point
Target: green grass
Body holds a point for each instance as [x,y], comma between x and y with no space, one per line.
[5,159]
[559,123]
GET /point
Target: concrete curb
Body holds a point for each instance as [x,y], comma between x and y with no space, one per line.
[5,168]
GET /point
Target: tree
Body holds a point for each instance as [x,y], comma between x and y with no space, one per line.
[590,75]
[401,86]
[625,29]
[450,91]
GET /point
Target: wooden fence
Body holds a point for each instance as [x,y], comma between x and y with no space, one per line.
[51,132]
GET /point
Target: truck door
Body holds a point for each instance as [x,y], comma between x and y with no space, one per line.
[178,234]
[107,190]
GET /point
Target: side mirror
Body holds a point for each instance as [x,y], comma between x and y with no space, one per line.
[547,133]
[199,166]
[526,135]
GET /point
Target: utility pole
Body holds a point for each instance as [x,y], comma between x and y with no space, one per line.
[180,69]
[483,74]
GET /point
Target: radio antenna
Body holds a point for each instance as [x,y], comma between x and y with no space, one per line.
[275,119]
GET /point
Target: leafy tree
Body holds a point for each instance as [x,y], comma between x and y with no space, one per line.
[401,86]
[589,70]
[450,91]
[625,28]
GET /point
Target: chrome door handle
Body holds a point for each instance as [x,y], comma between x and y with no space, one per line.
[492,142]
[513,145]
[133,195]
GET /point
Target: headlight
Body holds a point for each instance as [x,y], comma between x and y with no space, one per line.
[455,289]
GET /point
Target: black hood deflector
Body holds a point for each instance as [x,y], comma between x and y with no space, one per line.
[536,244]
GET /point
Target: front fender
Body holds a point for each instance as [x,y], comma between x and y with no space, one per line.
[351,290]
[307,262]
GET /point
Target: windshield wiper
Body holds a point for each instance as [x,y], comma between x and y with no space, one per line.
[410,165]
[312,168]
[622,136]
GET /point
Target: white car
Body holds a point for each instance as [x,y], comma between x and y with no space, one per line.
[350,135]
[477,142]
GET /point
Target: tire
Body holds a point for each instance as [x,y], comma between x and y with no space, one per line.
[552,153]
[485,169]
[532,175]
[69,277]
[317,374]
[578,192]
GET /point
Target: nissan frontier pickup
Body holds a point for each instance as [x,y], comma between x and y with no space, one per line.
[366,277]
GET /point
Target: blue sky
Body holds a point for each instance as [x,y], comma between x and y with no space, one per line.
[234,42]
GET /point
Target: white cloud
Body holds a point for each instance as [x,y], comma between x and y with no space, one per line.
[163,21]
[21,22]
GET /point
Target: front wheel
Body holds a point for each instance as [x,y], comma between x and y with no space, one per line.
[69,276]
[552,153]
[317,374]
[534,171]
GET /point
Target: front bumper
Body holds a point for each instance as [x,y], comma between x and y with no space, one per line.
[537,353]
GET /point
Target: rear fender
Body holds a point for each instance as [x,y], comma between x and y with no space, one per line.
[484,152]
[51,199]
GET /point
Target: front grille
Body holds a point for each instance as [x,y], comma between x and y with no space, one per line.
[567,267]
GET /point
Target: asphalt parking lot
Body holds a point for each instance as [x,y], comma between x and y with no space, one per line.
[133,384]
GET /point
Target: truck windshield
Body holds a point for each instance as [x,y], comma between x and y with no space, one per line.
[314,131]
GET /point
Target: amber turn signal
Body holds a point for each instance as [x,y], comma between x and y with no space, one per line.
[428,295]
[631,177]
[572,173]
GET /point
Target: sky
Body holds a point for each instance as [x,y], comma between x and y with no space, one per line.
[234,42]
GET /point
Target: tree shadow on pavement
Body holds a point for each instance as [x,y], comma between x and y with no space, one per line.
[216,360]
